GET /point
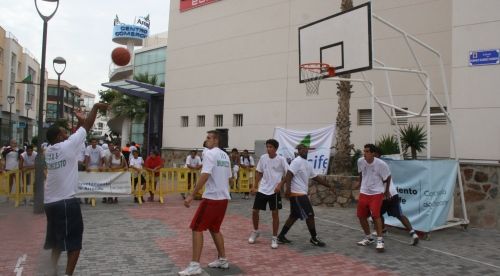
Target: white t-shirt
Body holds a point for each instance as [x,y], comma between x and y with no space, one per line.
[273,170]
[196,161]
[95,155]
[247,162]
[62,167]
[12,160]
[218,166]
[136,162]
[302,171]
[392,189]
[373,176]
[81,153]
[28,161]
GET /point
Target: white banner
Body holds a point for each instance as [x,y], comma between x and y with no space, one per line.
[103,184]
[319,142]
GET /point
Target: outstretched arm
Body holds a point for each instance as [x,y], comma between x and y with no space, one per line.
[88,122]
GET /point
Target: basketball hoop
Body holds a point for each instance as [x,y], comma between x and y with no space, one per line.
[313,73]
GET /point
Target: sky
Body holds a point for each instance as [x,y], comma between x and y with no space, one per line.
[80,32]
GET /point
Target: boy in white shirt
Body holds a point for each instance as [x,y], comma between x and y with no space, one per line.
[297,185]
[270,173]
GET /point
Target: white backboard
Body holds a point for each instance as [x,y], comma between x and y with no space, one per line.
[342,40]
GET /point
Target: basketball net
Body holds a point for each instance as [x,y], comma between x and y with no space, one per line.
[313,73]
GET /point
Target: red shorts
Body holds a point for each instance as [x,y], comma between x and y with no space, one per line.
[369,205]
[209,215]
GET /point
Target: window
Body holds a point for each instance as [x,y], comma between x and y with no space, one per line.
[52,91]
[184,121]
[237,120]
[439,119]
[201,121]
[100,125]
[364,117]
[218,120]
[401,121]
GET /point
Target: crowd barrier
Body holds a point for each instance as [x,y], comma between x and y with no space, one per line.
[18,185]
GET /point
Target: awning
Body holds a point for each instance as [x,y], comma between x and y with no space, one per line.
[135,88]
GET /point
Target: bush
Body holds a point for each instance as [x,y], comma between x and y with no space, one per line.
[413,137]
[388,144]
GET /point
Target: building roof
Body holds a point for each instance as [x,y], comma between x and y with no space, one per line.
[136,88]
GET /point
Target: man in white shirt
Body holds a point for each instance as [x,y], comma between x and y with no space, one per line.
[247,162]
[297,186]
[373,173]
[193,161]
[11,156]
[64,217]
[27,162]
[94,159]
[270,173]
[215,173]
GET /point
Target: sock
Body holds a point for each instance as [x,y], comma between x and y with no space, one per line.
[284,230]
[380,239]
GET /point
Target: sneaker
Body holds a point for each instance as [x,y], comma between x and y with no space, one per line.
[192,269]
[384,233]
[253,236]
[414,239]
[219,263]
[366,241]
[380,245]
[274,243]
[317,242]
[282,239]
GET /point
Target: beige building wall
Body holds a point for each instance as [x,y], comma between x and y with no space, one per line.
[241,57]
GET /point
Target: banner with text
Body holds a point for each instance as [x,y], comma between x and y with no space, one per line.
[319,142]
[191,4]
[425,188]
[103,184]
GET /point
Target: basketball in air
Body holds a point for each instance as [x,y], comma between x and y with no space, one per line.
[120,56]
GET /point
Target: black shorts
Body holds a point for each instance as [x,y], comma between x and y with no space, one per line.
[261,201]
[391,207]
[300,207]
[64,225]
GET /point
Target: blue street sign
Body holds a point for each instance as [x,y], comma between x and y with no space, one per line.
[21,125]
[484,57]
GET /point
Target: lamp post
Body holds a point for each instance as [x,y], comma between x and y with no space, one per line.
[39,165]
[73,89]
[59,69]
[10,99]
[27,105]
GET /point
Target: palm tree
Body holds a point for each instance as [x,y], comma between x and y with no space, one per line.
[413,136]
[342,160]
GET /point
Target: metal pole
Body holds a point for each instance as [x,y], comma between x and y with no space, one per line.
[26,127]
[59,114]
[10,122]
[39,175]
[73,114]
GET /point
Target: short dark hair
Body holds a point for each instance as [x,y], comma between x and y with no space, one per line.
[215,133]
[371,147]
[273,143]
[52,133]
[234,150]
[29,147]
[155,152]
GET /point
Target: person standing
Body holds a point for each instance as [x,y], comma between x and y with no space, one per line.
[297,185]
[26,163]
[11,155]
[373,173]
[247,162]
[215,174]
[153,164]
[136,164]
[270,173]
[62,208]
[392,207]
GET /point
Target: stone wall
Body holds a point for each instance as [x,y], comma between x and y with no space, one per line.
[346,191]
[481,195]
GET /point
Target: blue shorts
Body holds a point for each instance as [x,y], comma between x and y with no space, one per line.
[300,207]
[64,225]
[392,207]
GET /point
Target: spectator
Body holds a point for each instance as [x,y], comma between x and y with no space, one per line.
[154,163]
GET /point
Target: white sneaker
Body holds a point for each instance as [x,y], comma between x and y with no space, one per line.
[253,236]
[366,241]
[414,239]
[274,242]
[192,269]
[219,263]
[380,245]
[384,233]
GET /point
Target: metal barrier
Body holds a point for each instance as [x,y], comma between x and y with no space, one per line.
[17,185]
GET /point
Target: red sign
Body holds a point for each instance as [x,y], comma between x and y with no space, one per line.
[191,4]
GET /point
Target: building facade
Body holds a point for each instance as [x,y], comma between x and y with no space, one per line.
[18,101]
[234,65]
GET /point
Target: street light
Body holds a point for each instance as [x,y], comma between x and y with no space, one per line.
[10,99]
[61,65]
[73,89]
[27,105]
[39,165]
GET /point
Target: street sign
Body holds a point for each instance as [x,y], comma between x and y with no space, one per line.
[484,57]
[21,125]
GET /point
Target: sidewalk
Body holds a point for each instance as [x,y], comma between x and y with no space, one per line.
[154,239]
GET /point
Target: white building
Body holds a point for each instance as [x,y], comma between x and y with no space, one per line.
[234,64]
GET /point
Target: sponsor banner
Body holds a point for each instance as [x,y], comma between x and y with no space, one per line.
[130,31]
[425,188]
[319,142]
[103,184]
[191,4]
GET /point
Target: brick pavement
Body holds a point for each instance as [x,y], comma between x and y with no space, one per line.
[154,239]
